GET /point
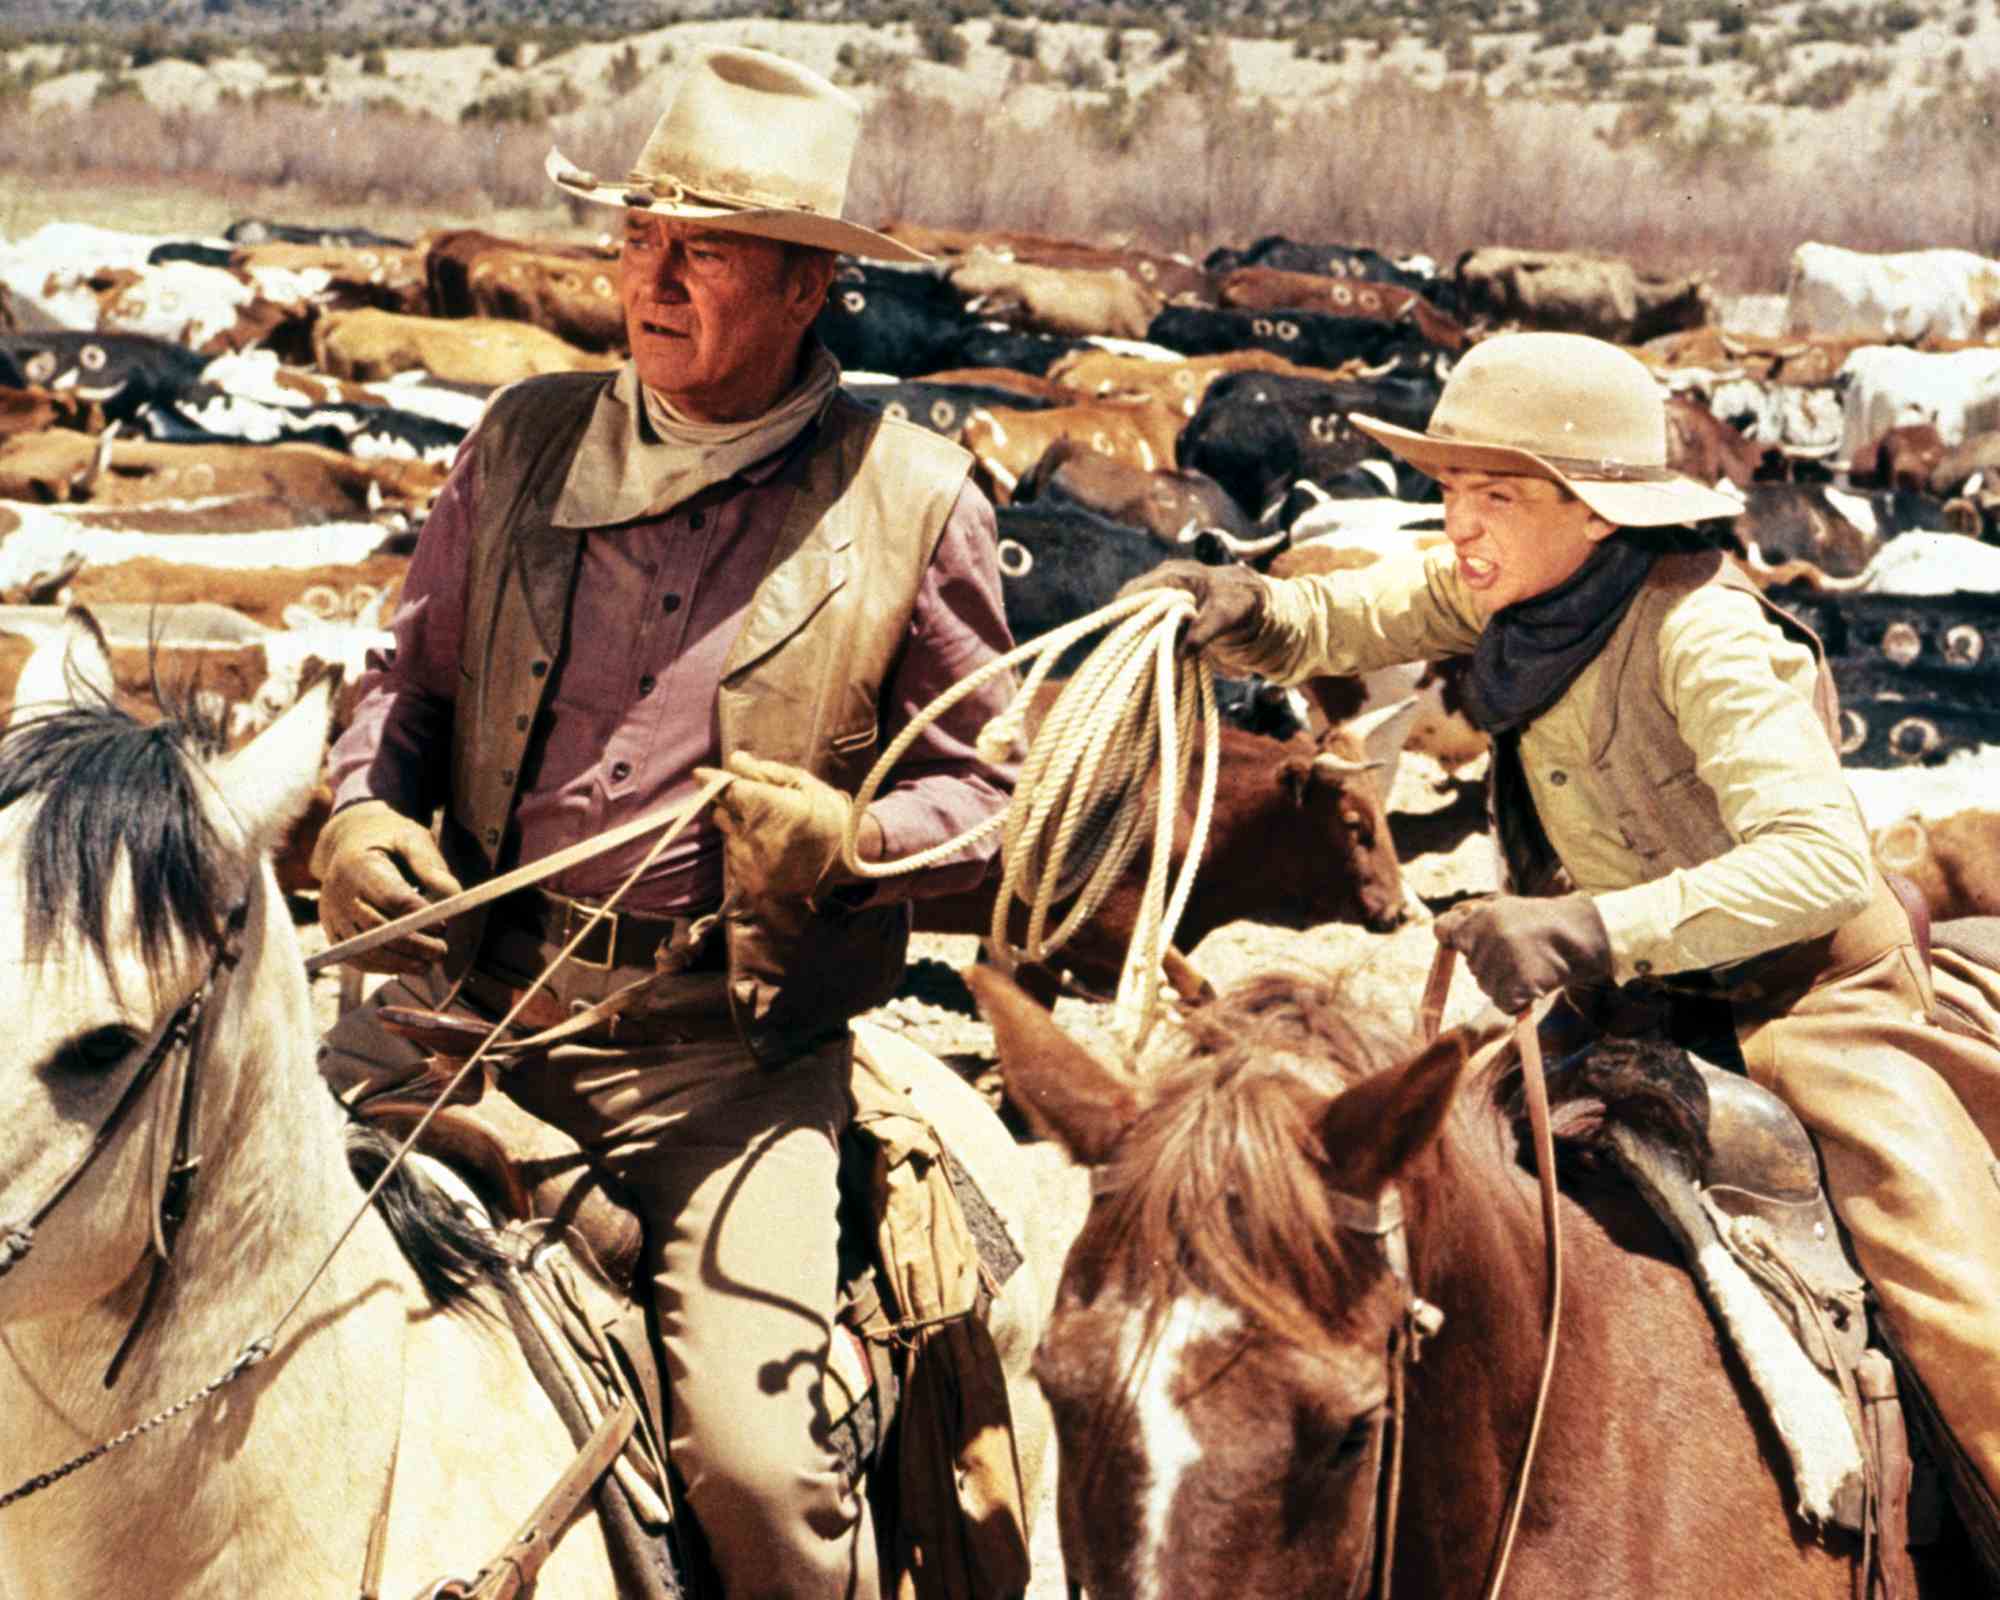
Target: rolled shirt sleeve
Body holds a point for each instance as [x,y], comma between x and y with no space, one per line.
[1801,863]
[1407,608]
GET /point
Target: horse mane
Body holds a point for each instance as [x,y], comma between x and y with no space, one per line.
[1220,1187]
[111,786]
[452,1256]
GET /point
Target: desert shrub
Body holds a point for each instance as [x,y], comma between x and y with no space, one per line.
[1598,69]
[1079,72]
[115,86]
[1671,29]
[623,72]
[517,104]
[1833,84]
[1897,16]
[940,41]
[1731,17]
[375,64]
[1017,39]
[862,65]
[1114,46]
[1206,69]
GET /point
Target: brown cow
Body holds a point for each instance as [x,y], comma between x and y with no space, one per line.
[574,298]
[1179,384]
[1978,456]
[1954,861]
[1069,302]
[1795,360]
[275,597]
[1178,508]
[1269,289]
[1705,448]
[1022,383]
[1575,292]
[1177,279]
[390,277]
[1299,837]
[370,345]
[60,465]
[1905,457]
[1007,443]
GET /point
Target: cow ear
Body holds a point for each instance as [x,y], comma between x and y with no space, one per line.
[1065,1093]
[1372,1131]
[269,782]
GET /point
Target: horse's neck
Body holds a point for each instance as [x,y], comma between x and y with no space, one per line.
[291,1438]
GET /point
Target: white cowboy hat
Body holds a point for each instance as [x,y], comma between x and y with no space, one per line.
[750,143]
[1561,406]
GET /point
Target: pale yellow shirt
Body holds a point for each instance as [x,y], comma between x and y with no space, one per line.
[1741,694]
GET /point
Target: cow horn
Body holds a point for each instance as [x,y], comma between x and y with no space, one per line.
[1369,723]
[100,462]
[1327,764]
[1318,495]
[1382,371]
[1188,533]
[1242,549]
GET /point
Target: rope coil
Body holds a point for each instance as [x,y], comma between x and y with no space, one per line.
[1077,816]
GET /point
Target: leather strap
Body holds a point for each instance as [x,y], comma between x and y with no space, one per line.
[513,1571]
[520,878]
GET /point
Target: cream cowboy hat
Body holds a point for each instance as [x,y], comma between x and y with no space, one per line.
[1561,406]
[751,143]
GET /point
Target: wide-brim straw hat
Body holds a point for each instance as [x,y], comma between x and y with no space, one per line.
[1561,406]
[750,143]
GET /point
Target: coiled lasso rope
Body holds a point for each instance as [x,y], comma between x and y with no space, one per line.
[1078,813]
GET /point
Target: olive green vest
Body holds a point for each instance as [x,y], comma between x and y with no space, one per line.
[802,682]
[1667,817]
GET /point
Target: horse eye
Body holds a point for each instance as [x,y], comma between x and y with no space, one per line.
[97,1051]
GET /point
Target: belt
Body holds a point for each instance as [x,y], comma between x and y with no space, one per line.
[617,938]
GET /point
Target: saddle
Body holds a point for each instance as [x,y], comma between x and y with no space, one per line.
[923,1252]
[1733,1175]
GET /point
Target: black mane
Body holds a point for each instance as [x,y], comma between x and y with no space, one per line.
[111,786]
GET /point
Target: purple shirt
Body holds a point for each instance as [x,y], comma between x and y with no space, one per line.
[632,709]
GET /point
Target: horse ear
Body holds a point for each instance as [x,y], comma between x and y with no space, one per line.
[1373,1130]
[269,782]
[71,667]
[1063,1090]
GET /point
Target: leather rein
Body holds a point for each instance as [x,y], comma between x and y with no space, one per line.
[177,1191]
[1381,1217]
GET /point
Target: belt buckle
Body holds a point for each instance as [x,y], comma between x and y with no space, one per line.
[575,915]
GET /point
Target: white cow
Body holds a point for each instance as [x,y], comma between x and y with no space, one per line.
[1887,386]
[1903,297]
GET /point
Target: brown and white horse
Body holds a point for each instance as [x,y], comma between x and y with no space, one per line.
[1219,1360]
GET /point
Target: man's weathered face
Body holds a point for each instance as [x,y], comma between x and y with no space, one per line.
[714,319]
[1515,536]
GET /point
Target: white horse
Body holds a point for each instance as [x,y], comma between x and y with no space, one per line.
[123,851]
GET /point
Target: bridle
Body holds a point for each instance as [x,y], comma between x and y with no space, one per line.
[176,1036]
[1381,1217]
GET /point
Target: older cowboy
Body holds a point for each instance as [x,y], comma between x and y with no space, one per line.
[710,558]
[1670,806]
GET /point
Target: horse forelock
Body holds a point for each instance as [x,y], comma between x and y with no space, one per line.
[1221,1189]
[105,789]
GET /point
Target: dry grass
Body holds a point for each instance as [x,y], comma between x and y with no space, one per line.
[1387,164]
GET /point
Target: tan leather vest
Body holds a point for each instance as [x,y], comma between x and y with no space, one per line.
[1668,813]
[801,684]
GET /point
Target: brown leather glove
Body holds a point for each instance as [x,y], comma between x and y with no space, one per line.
[374,865]
[782,828]
[1519,948]
[1230,602]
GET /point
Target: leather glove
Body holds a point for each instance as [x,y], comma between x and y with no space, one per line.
[1230,602]
[1519,948]
[781,828]
[374,864]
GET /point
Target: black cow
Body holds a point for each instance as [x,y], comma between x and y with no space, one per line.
[121,372]
[256,231]
[1257,432]
[1799,522]
[1059,563]
[1307,337]
[205,414]
[1956,635]
[1911,716]
[941,407]
[987,344]
[880,319]
[202,255]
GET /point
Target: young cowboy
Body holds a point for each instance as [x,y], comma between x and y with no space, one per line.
[1669,804]
[709,557]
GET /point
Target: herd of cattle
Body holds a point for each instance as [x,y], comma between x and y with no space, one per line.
[224,447]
